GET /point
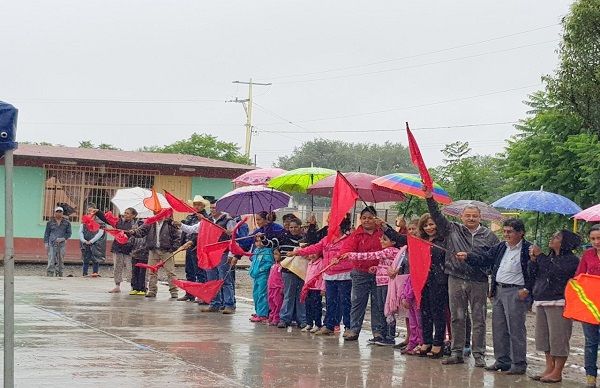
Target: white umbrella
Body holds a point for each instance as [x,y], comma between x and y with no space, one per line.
[134,198]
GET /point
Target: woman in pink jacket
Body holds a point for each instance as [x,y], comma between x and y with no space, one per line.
[338,284]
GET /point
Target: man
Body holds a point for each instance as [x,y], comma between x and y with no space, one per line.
[58,231]
[192,272]
[225,300]
[162,239]
[511,285]
[467,285]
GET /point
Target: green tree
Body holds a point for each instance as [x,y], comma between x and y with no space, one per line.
[86,144]
[204,145]
[102,146]
[377,159]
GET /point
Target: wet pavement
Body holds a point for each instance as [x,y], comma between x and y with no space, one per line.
[70,332]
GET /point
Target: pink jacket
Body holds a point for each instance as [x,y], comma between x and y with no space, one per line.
[314,267]
[275,278]
[329,252]
[385,257]
[393,300]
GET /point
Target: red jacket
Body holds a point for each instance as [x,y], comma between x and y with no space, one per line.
[589,263]
[361,241]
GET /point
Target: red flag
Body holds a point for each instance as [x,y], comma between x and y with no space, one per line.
[312,281]
[165,213]
[342,200]
[90,223]
[234,247]
[419,262]
[118,234]
[417,159]
[204,291]
[111,218]
[177,204]
[209,249]
[153,268]
[152,202]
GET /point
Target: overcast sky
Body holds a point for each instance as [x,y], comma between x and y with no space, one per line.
[137,72]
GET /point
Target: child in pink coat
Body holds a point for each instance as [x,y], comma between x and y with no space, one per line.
[275,290]
[409,302]
[314,299]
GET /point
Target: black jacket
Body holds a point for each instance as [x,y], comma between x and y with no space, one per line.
[169,235]
[551,274]
[493,257]
[122,225]
[437,273]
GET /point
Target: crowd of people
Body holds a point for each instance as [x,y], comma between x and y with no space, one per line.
[469,264]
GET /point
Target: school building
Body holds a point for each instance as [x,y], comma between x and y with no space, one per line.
[47,175]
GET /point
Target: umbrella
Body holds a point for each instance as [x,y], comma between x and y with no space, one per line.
[134,197]
[539,201]
[488,213]
[589,214]
[251,200]
[300,179]
[258,177]
[411,184]
[367,191]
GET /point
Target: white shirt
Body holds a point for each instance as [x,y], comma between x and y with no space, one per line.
[159,225]
[510,270]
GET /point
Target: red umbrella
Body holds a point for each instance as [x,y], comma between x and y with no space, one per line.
[367,191]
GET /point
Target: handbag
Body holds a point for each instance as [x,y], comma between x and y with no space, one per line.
[296,264]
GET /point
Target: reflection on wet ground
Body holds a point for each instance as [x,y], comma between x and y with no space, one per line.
[71,332]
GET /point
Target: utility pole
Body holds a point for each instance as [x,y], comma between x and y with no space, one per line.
[247,104]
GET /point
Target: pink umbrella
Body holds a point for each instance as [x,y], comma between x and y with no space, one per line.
[363,184]
[589,214]
[259,177]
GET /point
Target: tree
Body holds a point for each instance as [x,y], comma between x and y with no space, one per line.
[576,82]
[86,144]
[102,146]
[377,159]
[204,145]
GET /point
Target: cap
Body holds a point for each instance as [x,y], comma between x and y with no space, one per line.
[59,209]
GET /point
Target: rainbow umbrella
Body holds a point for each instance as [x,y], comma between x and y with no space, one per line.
[411,184]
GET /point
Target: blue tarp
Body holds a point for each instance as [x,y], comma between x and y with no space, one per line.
[8,127]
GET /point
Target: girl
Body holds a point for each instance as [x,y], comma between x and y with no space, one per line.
[293,308]
[262,259]
[93,245]
[275,287]
[390,242]
[314,300]
[590,264]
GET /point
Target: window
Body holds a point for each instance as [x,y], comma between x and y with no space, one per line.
[74,187]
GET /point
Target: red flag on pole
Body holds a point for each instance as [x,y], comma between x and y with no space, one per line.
[90,223]
[204,291]
[118,234]
[165,213]
[177,204]
[417,159]
[152,202]
[419,261]
[111,218]
[342,200]
[209,249]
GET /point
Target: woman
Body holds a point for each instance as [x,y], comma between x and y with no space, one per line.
[92,244]
[337,279]
[266,225]
[366,238]
[551,273]
[292,308]
[590,264]
[434,298]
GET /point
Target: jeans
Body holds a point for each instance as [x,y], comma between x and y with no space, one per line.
[292,308]
[592,338]
[225,297]
[385,328]
[192,272]
[337,299]
[56,254]
[363,285]
[314,308]
[86,265]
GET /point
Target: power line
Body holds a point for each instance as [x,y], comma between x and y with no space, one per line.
[127,124]
[113,101]
[416,55]
[416,66]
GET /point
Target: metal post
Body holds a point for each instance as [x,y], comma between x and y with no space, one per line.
[9,276]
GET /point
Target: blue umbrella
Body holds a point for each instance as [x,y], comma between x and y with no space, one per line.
[538,201]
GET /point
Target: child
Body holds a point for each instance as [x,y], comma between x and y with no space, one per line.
[139,254]
[262,261]
[391,241]
[414,318]
[314,300]
[275,287]
[412,228]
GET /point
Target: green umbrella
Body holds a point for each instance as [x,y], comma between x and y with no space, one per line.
[300,179]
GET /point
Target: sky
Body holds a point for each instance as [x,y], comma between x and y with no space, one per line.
[134,73]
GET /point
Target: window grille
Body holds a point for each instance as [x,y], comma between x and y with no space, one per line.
[74,187]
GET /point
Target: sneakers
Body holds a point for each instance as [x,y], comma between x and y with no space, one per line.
[497,367]
[466,351]
[453,360]
[590,381]
[385,342]
[174,295]
[373,341]
[306,328]
[350,335]
[228,311]
[479,362]
[210,309]
[257,319]
[132,292]
[142,293]
[185,298]
[282,325]
[315,329]
[150,294]
[324,331]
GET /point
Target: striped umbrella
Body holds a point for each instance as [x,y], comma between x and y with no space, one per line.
[411,184]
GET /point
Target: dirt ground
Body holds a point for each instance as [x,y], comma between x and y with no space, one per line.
[244,289]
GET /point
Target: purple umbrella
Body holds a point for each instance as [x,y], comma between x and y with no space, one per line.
[251,200]
[367,191]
